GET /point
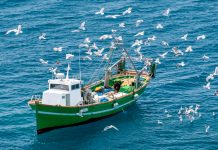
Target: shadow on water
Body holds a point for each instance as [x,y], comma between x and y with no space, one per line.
[85,134]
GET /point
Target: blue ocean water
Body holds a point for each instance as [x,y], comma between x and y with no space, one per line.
[22,75]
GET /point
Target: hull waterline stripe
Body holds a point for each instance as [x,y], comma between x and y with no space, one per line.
[85,114]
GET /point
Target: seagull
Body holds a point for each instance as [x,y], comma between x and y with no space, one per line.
[213,114]
[176,51]
[119,38]
[89,52]
[166,111]
[163,55]
[42,61]
[113,31]
[159,26]
[207,86]
[159,122]
[69,56]
[210,77]
[42,37]
[58,49]
[16,31]
[82,26]
[216,71]
[169,116]
[181,64]
[110,127]
[94,46]
[188,49]
[128,11]
[53,70]
[137,43]
[112,16]
[205,58]
[138,49]
[157,61]
[207,127]
[153,38]
[87,58]
[165,43]
[166,12]
[201,37]
[138,22]
[87,40]
[140,33]
[105,57]
[99,52]
[75,31]
[83,45]
[100,12]
[104,37]
[122,25]
[180,118]
[184,37]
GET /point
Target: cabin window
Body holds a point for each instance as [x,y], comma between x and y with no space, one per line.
[75,86]
[59,87]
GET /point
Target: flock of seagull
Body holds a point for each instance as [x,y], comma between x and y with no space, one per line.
[190,112]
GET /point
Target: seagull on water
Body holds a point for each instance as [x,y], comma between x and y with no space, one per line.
[207,127]
[184,37]
[166,12]
[207,86]
[58,49]
[99,52]
[42,61]
[16,31]
[138,22]
[128,11]
[100,12]
[42,37]
[140,33]
[181,64]
[112,16]
[105,57]
[188,49]
[82,26]
[210,77]
[87,58]
[163,55]
[159,26]
[157,61]
[122,25]
[111,127]
[201,37]
[106,36]
[176,51]
[216,93]
[164,43]
[153,38]
[159,122]
[87,40]
[69,56]
[205,58]
[137,43]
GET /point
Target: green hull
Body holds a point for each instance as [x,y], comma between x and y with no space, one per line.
[49,117]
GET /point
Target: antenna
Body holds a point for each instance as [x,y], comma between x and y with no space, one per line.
[80,75]
[68,69]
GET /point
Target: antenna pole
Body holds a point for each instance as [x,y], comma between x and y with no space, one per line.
[68,69]
[80,75]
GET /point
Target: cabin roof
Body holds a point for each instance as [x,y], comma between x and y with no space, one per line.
[64,81]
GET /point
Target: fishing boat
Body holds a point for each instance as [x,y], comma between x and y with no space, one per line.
[68,102]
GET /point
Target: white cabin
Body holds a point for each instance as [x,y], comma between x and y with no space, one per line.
[63,92]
